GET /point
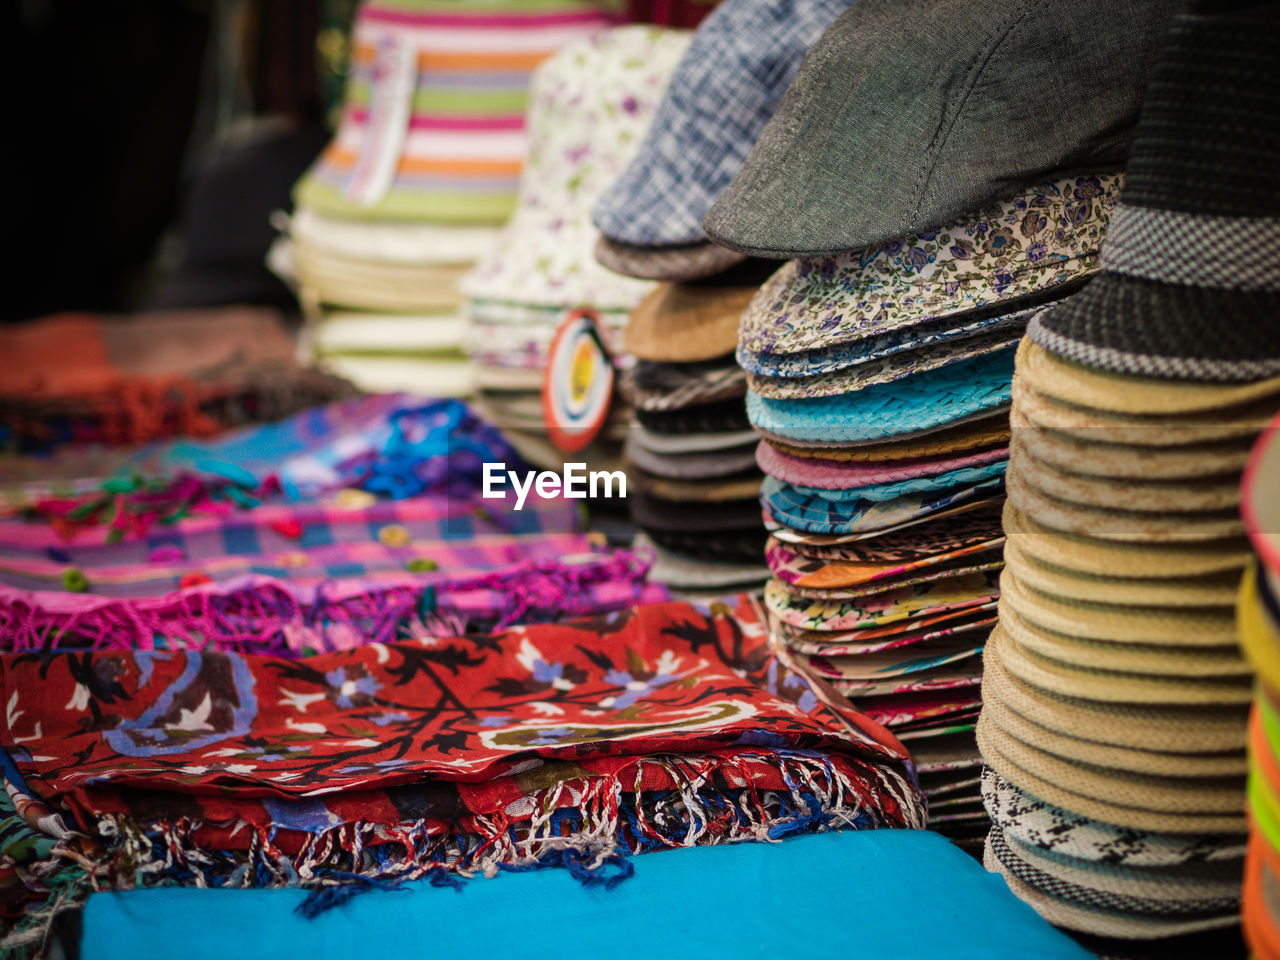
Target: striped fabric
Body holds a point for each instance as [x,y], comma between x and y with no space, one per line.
[433,127]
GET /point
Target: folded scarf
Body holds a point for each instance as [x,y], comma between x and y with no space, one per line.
[575,744]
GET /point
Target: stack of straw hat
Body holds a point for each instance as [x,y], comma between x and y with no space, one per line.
[1115,694]
[589,108]
[1259,622]
[879,359]
[422,171]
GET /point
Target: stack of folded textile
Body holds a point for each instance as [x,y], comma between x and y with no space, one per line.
[694,484]
[880,361]
[590,106]
[1259,622]
[110,381]
[218,556]
[1115,690]
[439,756]
[423,169]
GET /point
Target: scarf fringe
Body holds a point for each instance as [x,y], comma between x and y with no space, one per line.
[260,619]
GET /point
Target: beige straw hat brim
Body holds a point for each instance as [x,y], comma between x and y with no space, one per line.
[1126,525]
[1127,462]
[1107,756]
[1108,686]
[1099,922]
[1119,623]
[1216,494]
[378,286]
[1085,555]
[1216,590]
[1126,806]
[1075,383]
[1142,659]
[1096,426]
[685,323]
[1183,729]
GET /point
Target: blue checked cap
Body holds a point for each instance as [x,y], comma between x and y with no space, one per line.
[723,92]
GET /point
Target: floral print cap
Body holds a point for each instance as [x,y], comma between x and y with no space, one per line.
[590,107]
[1048,235]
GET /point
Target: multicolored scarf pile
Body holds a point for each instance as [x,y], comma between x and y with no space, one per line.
[576,744]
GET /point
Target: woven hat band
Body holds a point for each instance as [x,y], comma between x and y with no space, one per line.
[1188,249]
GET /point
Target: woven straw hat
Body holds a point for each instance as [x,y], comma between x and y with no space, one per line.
[1175,730]
[1141,659]
[1258,634]
[1115,623]
[1098,458]
[1088,425]
[688,322]
[1074,383]
[1110,687]
[1108,756]
[1127,525]
[369,285]
[1114,558]
[1138,496]
[1161,804]
[1126,926]
[1205,590]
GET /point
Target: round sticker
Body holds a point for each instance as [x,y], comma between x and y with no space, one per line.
[578,386]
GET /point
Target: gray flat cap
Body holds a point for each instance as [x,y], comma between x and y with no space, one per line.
[908,114]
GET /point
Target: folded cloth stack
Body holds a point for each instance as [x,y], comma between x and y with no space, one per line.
[725,89]
[576,744]
[78,378]
[206,563]
[422,171]
[880,359]
[694,484]
[590,106]
[1115,691]
[1259,622]
[974,917]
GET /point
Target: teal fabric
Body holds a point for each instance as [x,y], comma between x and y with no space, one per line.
[874,895]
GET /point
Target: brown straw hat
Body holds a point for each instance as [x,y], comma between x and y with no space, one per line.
[1075,383]
[1087,555]
[1118,623]
[1183,729]
[1127,525]
[1088,488]
[1115,461]
[1096,426]
[1110,687]
[688,322]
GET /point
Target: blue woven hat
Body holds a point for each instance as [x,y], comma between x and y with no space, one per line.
[722,94]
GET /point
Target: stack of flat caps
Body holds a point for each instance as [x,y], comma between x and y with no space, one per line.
[694,484]
[422,170]
[881,382]
[589,109]
[880,361]
[1115,690]
[1259,622]
[724,91]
